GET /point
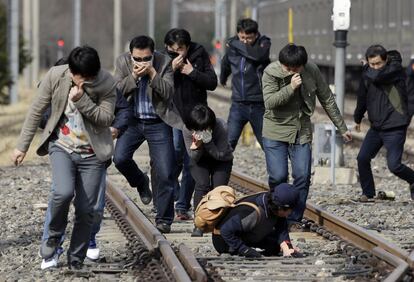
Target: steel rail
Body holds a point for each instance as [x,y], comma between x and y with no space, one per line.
[360,237]
[154,240]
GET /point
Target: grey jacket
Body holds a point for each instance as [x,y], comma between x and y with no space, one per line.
[160,90]
[97,107]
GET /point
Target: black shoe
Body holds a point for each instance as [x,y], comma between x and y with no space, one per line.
[197,232]
[75,265]
[145,192]
[163,227]
[49,248]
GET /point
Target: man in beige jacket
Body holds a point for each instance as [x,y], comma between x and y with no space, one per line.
[78,140]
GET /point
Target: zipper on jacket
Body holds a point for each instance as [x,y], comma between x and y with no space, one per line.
[242,71]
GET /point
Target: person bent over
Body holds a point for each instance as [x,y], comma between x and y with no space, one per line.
[79,143]
[211,157]
[245,228]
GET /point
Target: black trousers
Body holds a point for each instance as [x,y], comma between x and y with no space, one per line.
[209,173]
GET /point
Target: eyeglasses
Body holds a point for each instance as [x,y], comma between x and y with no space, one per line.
[139,59]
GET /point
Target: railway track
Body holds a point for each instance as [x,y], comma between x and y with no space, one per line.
[356,253]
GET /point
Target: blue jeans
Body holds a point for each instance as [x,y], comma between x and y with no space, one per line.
[240,114]
[183,192]
[161,150]
[277,154]
[99,210]
[393,140]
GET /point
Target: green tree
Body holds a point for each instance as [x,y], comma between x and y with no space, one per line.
[24,57]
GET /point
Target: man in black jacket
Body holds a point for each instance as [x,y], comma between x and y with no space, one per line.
[382,93]
[247,55]
[245,228]
[193,76]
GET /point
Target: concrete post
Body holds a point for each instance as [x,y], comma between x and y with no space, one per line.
[151,18]
[76,23]
[117,28]
[13,49]
[27,33]
[35,42]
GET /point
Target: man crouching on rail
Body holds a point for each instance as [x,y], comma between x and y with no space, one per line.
[261,225]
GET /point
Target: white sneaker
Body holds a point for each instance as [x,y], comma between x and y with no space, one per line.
[92,253]
[52,262]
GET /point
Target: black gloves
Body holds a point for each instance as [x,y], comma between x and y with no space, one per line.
[250,253]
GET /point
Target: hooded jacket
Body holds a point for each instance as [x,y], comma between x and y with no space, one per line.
[289,111]
[246,64]
[96,105]
[191,89]
[382,93]
[410,88]
[242,227]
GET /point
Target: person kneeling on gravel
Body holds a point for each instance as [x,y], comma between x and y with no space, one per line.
[245,227]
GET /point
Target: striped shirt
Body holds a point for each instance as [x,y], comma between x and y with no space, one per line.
[143,105]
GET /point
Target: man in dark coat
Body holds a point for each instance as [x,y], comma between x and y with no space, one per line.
[247,55]
[382,93]
[193,76]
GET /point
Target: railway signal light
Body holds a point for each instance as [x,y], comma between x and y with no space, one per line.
[61,43]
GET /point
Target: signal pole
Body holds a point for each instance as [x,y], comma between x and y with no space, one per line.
[117,28]
[76,23]
[27,32]
[13,49]
[151,17]
[35,41]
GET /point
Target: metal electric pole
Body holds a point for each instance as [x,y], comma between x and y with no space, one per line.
[151,18]
[117,28]
[341,21]
[174,14]
[76,23]
[27,33]
[35,42]
[13,49]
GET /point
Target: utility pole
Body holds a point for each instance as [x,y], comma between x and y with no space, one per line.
[27,31]
[233,16]
[76,23]
[255,12]
[117,28]
[174,14]
[35,42]
[13,49]
[341,22]
[151,18]
[223,18]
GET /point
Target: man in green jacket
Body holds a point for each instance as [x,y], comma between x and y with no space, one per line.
[290,87]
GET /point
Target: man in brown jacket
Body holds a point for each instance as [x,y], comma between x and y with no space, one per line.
[145,77]
[78,140]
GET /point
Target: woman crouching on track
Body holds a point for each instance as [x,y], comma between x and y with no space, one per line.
[211,157]
[261,225]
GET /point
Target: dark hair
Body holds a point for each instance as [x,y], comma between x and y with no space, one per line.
[84,61]
[179,36]
[376,50]
[141,42]
[201,117]
[293,56]
[247,26]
